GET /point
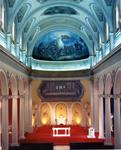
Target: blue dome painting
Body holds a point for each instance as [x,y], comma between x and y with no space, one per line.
[60,46]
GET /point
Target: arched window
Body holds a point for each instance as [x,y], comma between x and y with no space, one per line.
[107,31]
[117,17]
[2,16]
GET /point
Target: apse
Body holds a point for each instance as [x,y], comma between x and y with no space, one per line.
[60,45]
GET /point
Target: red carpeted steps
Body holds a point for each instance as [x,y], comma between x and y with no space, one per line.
[44,135]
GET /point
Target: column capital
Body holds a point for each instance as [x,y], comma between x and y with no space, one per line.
[5,97]
[17,44]
[101,95]
[116,96]
[108,96]
[8,34]
[111,34]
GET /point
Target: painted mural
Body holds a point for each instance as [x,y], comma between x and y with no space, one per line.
[45,114]
[76,114]
[60,46]
[60,10]
[61,90]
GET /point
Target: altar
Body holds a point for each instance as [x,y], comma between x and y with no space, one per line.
[61,131]
[61,120]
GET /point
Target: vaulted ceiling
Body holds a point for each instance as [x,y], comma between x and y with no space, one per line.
[37,22]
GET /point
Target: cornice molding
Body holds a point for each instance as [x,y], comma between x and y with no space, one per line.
[12,61]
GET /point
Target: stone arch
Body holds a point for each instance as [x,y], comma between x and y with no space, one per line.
[21,86]
[108,83]
[95,103]
[101,85]
[4,81]
[4,110]
[45,111]
[13,107]
[21,107]
[117,82]
[77,114]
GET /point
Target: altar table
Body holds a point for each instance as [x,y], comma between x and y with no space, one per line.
[57,133]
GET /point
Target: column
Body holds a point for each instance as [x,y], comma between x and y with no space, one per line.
[103,50]
[117,123]
[14,122]
[5,140]
[26,111]
[101,118]
[17,50]
[22,117]
[111,41]
[92,107]
[96,108]
[107,121]
[30,108]
[8,44]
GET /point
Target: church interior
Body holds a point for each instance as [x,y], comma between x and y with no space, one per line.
[60,74]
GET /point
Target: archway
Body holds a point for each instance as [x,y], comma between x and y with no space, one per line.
[117,109]
[22,107]
[10,101]
[61,113]
[96,92]
[101,107]
[4,109]
[13,108]
[108,122]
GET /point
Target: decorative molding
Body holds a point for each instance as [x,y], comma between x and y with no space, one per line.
[11,60]
[111,59]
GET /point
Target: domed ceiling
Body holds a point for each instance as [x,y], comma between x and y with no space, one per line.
[60,46]
[62,34]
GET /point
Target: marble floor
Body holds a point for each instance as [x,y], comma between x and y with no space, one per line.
[61,147]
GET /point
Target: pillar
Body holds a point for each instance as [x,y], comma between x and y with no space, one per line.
[117,123]
[5,139]
[30,108]
[8,40]
[14,122]
[92,109]
[96,108]
[26,111]
[22,100]
[103,50]
[101,118]
[17,50]
[111,41]
[107,121]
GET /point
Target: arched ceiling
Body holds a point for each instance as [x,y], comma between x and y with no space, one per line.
[36,18]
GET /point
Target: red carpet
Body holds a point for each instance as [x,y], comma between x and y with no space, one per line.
[44,135]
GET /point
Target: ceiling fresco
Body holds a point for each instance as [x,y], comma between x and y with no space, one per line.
[60,10]
[60,46]
[60,35]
